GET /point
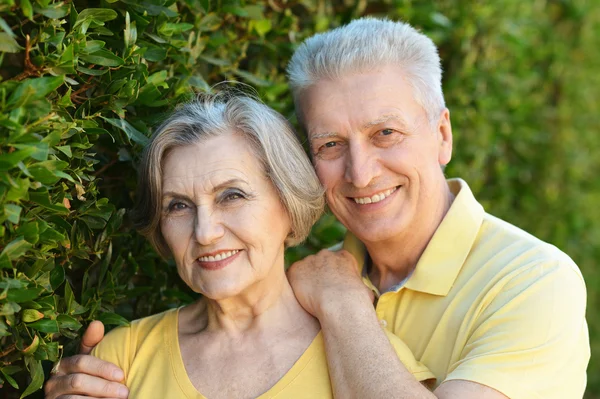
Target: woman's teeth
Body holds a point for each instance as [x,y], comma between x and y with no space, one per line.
[217,257]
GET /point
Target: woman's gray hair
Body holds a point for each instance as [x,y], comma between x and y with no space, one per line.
[270,136]
[366,44]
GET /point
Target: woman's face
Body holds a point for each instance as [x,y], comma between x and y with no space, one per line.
[222,217]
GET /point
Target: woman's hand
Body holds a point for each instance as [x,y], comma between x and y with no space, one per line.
[326,279]
[85,376]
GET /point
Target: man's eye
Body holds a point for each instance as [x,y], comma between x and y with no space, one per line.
[386,132]
[330,144]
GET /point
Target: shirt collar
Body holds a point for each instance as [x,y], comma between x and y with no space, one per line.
[447,250]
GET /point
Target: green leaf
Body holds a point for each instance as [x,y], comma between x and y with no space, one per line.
[130,35]
[92,72]
[131,132]
[49,172]
[9,308]
[113,319]
[42,198]
[8,378]
[35,343]
[12,213]
[11,160]
[37,376]
[30,231]
[12,283]
[209,22]
[18,191]
[31,315]
[68,322]
[16,248]
[45,326]
[102,57]
[256,81]
[35,88]
[27,9]
[24,295]
[169,29]
[93,15]
[6,28]
[8,44]
[261,26]
[41,150]
[53,11]
[57,276]
[65,149]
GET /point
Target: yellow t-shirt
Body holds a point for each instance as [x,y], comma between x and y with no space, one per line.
[489,303]
[148,352]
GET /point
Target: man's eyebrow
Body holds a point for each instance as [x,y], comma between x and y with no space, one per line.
[324,135]
[383,119]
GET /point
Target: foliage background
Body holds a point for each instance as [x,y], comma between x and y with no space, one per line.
[83,83]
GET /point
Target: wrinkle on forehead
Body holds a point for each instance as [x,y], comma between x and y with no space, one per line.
[314,135]
[205,182]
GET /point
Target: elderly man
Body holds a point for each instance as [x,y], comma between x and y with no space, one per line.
[492,311]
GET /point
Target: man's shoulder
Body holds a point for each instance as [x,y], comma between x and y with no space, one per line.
[509,250]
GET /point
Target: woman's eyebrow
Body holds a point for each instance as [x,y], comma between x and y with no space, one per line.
[218,187]
[229,182]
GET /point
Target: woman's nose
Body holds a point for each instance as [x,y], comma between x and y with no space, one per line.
[208,227]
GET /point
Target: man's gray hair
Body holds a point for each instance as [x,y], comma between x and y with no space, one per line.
[269,135]
[364,45]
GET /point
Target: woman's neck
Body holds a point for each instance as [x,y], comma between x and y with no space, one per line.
[268,305]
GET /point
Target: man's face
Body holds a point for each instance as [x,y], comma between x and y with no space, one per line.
[376,153]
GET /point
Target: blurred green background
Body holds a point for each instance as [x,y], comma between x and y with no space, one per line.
[84,82]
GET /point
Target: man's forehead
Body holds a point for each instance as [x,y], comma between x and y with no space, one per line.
[315,132]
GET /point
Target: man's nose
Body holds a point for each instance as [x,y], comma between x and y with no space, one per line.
[208,227]
[361,165]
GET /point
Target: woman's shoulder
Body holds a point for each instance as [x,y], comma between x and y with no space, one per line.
[120,345]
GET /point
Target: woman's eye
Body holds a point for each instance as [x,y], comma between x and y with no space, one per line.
[177,206]
[233,196]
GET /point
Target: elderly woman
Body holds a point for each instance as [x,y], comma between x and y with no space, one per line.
[225,186]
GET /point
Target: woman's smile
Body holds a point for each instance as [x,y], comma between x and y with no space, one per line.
[219,260]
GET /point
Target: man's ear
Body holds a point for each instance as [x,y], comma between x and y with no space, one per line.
[444,133]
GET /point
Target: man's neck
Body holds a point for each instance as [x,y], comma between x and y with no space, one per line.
[395,259]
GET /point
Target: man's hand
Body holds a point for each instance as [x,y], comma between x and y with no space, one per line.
[85,376]
[325,279]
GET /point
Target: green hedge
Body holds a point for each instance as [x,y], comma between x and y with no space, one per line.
[83,83]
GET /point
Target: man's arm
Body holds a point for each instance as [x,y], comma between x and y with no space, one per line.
[85,376]
[362,362]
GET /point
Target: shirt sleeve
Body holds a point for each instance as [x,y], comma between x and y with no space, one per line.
[416,368]
[115,348]
[530,339]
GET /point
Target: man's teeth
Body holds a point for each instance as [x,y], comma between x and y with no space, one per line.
[375,198]
[217,257]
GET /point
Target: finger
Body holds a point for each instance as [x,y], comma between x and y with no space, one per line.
[93,335]
[75,385]
[87,364]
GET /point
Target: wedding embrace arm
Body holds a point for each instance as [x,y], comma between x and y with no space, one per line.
[362,362]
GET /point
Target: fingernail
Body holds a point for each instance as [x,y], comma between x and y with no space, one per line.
[118,375]
[123,392]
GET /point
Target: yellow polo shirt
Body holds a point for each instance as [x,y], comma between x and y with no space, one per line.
[149,354]
[490,303]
